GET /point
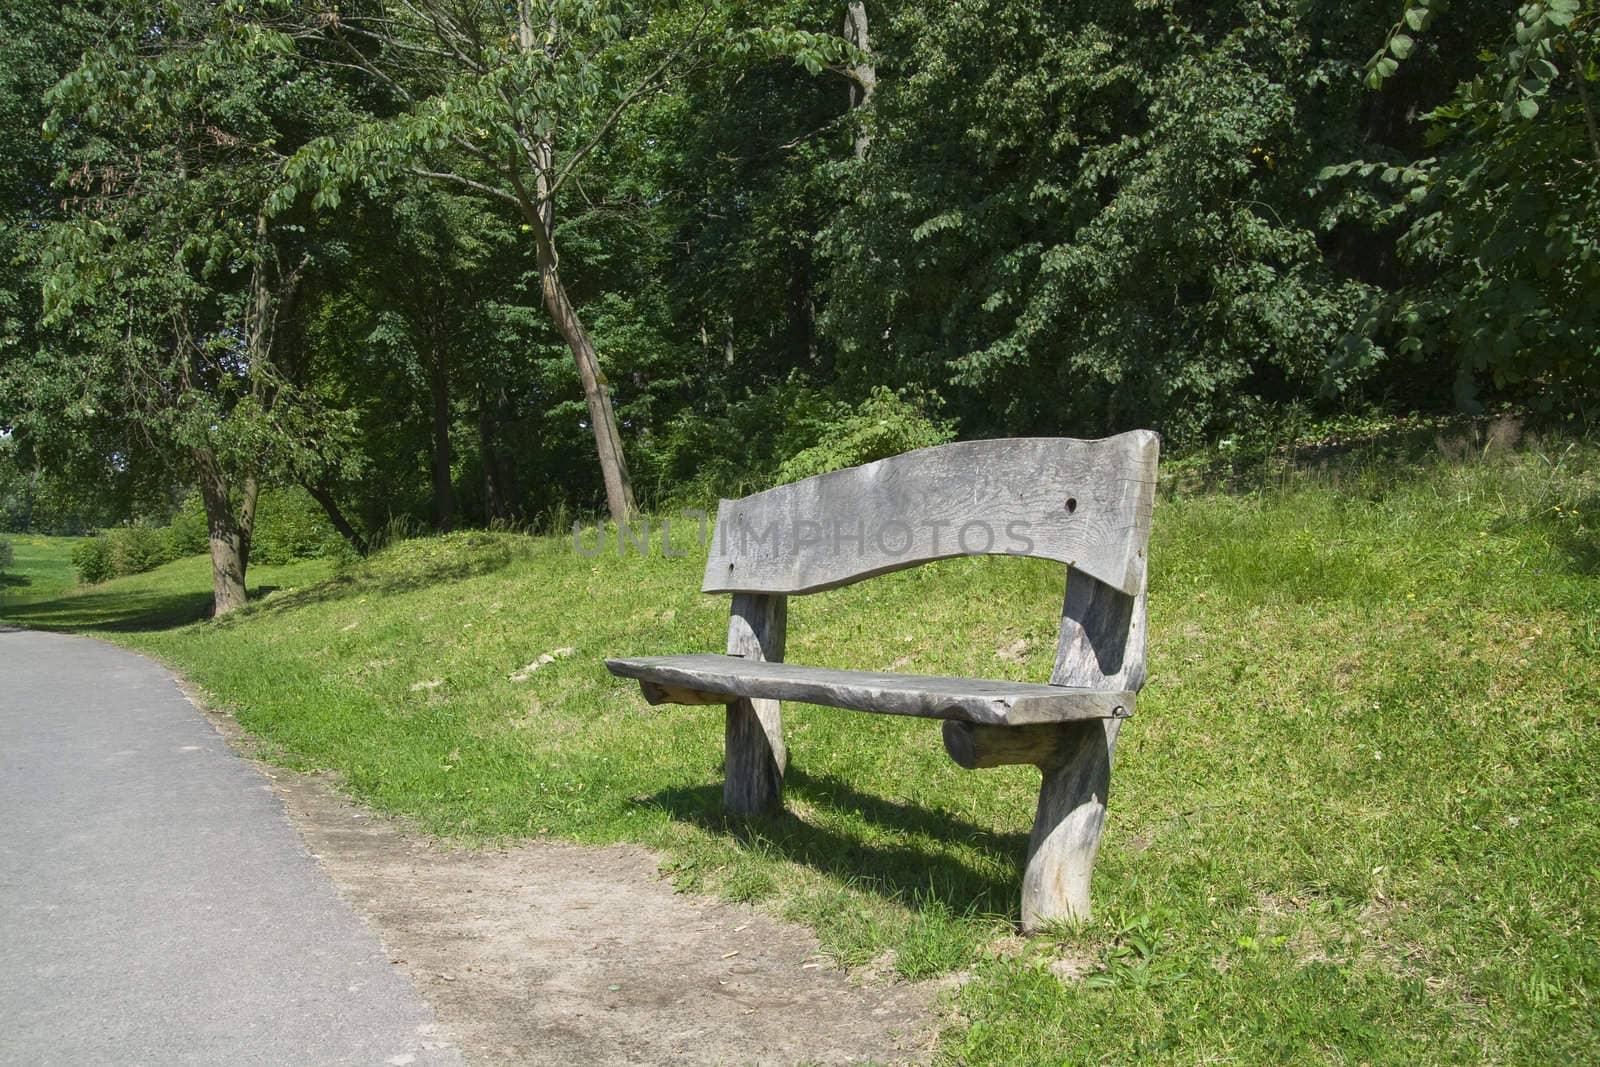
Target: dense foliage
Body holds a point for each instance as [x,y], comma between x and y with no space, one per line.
[429,261]
[292,527]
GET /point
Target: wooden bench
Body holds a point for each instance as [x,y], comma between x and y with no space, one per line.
[1086,504]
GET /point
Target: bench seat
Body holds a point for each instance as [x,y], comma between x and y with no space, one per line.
[717,679]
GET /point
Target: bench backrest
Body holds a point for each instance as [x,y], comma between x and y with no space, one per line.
[1083,503]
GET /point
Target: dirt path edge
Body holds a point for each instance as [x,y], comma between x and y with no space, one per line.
[549,952]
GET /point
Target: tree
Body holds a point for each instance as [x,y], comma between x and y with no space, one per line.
[863,72]
[1502,223]
[511,101]
[403,335]
[169,288]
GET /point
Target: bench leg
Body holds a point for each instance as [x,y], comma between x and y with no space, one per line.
[756,757]
[1066,829]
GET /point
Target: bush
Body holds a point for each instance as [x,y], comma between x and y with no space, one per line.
[735,449]
[290,526]
[122,551]
[189,534]
[91,560]
[788,431]
[6,557]
[885,424]
[138,548]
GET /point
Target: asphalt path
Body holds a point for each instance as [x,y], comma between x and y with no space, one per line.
[156,905]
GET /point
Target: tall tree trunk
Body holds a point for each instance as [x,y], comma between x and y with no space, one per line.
[864,75]
[229,528]
[330,507]
[444,497]
[539,212]
[602,417]
[229,532]
[607,441]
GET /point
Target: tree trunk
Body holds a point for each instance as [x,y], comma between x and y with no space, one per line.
[607,440]
[330,507]
[444,497]
[229,533]
[539,212]
[864,75]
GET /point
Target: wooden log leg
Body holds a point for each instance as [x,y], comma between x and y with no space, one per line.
[756,757]
[1075,760]
[1066,829]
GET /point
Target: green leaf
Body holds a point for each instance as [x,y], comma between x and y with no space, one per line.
[1418,18]
[1401,45]
[1527,107]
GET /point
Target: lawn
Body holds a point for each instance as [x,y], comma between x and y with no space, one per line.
[1356,819]
[41,566]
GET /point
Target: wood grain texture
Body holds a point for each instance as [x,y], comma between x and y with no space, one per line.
[1084,503]
[707,677]
[975,746]
[1066,827]
[1102,644]
[756,755]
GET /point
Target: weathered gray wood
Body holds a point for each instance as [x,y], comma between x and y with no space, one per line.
[1085,503]
[973,745]
[1066,827]
[655,693]
[1102,644]
[756,756]
[706,678]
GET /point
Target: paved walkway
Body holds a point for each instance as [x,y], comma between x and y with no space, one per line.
[156,906]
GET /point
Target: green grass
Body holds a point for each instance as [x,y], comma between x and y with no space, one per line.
[1356,819]
[41,566]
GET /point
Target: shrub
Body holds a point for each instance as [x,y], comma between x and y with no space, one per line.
[138,548]
[290,526]
[91,560]
[122,551]
[189,534]
[788,431]
[735,449]
[885,424]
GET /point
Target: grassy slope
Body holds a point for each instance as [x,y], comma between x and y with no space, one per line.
[1355,819]
[42,566]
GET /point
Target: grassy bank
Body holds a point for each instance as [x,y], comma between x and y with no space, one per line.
[41,567]
[1357,818]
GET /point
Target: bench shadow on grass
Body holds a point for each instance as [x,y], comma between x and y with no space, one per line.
[905,871]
